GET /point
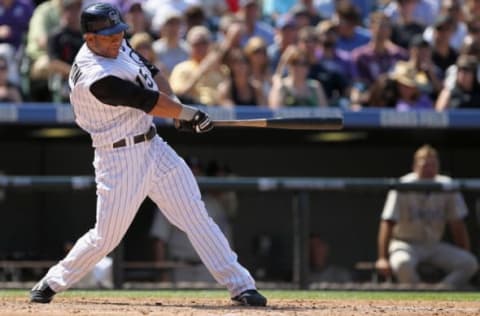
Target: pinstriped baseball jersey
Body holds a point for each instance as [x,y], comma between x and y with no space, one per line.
[105,123]
[126,175]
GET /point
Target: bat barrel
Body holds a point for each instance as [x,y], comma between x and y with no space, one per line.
[314,123]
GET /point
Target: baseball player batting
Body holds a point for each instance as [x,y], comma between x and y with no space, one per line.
[115,94]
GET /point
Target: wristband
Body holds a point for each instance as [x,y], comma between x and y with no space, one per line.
[187,113]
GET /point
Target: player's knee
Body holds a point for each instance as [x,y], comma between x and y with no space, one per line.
[405,270]
[469,265]
[103,244]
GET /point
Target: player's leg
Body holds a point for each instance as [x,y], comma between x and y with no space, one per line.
[403,261]
[459,264]
[120,177]
[176,193]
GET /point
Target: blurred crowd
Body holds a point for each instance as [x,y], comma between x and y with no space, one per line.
[401,54]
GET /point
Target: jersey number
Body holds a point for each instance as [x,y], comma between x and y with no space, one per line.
[143,79]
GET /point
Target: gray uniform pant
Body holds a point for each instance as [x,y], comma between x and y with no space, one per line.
[460,265]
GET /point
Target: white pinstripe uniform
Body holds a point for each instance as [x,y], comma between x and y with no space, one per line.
[126,176]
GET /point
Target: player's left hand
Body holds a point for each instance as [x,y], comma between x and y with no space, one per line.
[200,123]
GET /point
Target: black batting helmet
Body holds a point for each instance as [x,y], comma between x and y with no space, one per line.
[102,18]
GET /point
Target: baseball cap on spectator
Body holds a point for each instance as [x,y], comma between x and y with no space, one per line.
[467,62]
[285,21]
[198,34]
[407,75]
[163,17]
[418,41]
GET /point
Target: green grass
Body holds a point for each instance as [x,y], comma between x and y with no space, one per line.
[271,294]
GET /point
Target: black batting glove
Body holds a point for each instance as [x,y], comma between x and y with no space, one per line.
[200,123]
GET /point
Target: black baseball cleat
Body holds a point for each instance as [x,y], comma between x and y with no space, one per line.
[41,293]
[250,298]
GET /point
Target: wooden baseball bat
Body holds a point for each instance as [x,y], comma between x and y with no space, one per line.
[304,123]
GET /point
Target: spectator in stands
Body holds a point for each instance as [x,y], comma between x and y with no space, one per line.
[336,61]
[383,93]
[376,57]
[466,90]
[228,23]
[45,18]
[286,33]
[305,14]
[348,22]
[256,53]
[413,224]
[471,48]
[134,16]
[172,244]
[472,9]
[249,13]
[193,16]
[453,10]
[332,82]
[421,60]
[443,55]
[170,48]
[473,29]
[409,83]
[14,18]
[142,43]
[240,88]
[63,44]
[424,12]
[196,79]
[8,91]
[406,27]
[296,89]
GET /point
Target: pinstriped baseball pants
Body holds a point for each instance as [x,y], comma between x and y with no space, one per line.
[125,177]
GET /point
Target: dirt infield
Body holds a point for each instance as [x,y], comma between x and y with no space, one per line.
[183,307]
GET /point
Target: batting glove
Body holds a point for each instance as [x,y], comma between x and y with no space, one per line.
[200,123]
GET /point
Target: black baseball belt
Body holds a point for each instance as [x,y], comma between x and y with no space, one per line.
[152,131]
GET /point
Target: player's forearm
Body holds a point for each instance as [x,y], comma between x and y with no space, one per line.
[460,234]
[169,108]
[384,236]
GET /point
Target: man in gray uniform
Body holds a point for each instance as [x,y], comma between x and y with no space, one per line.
[413,224]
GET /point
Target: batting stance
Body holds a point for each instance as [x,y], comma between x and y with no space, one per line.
[115,94]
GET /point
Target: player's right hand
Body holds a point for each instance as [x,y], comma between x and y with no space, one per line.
[383,267]
[200,123]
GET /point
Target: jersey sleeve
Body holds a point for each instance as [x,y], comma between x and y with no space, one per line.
[391,207]
[456,206]
[114,91]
